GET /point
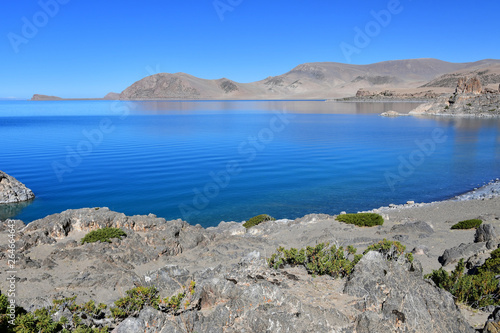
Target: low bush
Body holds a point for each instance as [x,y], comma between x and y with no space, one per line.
[467,224]
[361,219]
[103,235]
[336,262]
[257,220]
[390,249]
[136,299]
[477,290]
[41,320]
[319,260]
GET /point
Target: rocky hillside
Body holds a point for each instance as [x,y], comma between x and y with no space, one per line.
[12,190]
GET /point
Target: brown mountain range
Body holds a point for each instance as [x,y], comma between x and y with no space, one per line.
[320,80]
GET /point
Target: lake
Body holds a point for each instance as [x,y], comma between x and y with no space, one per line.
[212,161]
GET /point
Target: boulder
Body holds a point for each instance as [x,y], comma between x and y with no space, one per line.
[465,251]
[413,228]
[12,190]
[395,298]
[486,233]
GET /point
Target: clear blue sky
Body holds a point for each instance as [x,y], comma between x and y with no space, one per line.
[89,48]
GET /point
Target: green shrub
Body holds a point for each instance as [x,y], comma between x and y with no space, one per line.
[467,224]
[318,260]
[103,235]
[139,297]
[361,219]
[257,220]
[477,290]
[136,299]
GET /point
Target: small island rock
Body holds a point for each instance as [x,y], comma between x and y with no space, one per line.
[12,190]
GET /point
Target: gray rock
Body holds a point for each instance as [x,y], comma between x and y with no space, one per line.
[493,323]
[413,227]
[12,190]
[396,299]
[454,254]
[130,325]
[486,233]
[401,238]
[420,250]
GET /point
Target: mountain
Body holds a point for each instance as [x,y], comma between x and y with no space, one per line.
[310,80]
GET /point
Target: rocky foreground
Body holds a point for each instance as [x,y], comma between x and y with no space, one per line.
[12,190]
[236,290]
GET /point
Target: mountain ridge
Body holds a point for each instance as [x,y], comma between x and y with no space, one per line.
[313,80]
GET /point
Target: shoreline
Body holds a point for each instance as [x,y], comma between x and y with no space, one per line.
[488,191]
[53,263]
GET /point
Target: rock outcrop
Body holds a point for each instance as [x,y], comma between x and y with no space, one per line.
[469,99]
[394,298]
[470,86]
[380,296]
[363,94]
[12,190]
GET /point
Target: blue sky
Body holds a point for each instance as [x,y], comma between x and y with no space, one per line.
[89,48]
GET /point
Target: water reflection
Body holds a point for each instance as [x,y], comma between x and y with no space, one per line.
[10,210]
[310,107]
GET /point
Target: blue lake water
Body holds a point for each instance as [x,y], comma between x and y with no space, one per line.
[207,162]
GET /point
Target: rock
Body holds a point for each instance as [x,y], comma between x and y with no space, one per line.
[454,254]
[491,327]
[410,202]
[493,323]
[363,93]
[391,114]
[413,227]
[313,218]
[129,325]
[229,228]
[401,238]
[476,260]
[395,298]
[470,86]
[12,190]
[486,233]
[420,250]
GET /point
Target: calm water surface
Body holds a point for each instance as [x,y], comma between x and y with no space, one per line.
[211,161]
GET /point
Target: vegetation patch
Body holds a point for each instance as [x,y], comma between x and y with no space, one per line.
[479,289]
[467,224]
[324,259]
[257,220]
[319,260]
[103,235]
[361,219]
[42,320]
